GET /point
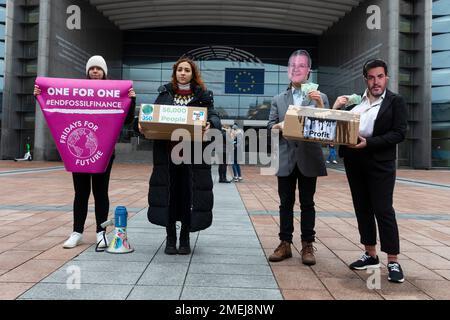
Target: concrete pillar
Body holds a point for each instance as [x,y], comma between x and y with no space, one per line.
[393,44]
[44,147]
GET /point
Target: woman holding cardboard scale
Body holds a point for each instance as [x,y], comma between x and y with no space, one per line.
[96,69]
[182,192]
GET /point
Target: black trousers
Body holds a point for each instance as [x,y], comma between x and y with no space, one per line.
[82,186]
[372,187]
[180,202]
[222,171]
[223,165]
[286,191]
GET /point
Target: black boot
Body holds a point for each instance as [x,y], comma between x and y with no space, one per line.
[185,247]
[171,240]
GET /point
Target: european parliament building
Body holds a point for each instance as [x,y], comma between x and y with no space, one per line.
[247,40]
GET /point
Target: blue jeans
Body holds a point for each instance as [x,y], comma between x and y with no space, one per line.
[236,169]
[332,155]
[236,166]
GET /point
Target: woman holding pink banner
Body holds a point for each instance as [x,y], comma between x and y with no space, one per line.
[182,192]
[96,69]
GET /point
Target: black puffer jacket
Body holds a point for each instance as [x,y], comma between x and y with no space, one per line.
[202,186]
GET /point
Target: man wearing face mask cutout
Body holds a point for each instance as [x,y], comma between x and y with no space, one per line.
[299,162]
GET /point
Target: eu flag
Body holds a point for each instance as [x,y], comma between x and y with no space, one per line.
[244,81]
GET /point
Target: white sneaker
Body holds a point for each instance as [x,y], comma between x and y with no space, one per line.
[328,161]
[102,241]
[74,240]
[334,161]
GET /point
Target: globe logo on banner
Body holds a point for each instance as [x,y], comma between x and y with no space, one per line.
[244,81]
[82,143]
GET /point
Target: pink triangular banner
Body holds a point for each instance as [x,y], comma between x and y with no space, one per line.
[85,118]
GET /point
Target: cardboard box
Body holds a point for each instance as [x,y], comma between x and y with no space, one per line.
[321,125]
[159,121]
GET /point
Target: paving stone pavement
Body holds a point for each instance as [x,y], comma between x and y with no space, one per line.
[227,263]
[229,259]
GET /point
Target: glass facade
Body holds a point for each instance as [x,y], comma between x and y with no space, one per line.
[150,54]
[441,84]
[147,77]
[2,54]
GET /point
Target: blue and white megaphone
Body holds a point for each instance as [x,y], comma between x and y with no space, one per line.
[119,243]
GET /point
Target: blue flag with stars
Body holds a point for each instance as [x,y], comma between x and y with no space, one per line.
[244,81]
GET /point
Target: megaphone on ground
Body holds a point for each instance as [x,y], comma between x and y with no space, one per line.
[120,243]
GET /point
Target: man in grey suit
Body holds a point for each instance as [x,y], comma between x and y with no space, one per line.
[299,162]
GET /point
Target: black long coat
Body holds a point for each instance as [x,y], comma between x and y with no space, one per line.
[159,196]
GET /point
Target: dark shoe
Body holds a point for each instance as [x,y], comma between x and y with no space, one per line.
[395,272]
[365,262]
[224,181]
[171,245]
[283,251]
[185,247]
[307,252]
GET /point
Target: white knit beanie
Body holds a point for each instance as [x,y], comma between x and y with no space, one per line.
[97,61]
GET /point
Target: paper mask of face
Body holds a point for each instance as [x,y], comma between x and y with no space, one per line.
[298,68]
